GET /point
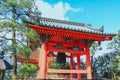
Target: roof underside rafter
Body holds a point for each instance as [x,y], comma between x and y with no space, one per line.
[72,34]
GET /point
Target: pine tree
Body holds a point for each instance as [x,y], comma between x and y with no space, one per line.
[13,14]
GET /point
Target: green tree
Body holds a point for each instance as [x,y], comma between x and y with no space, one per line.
[94,47]
[26,51]
[13,13]
[27,71]
[107,65]
[115,46]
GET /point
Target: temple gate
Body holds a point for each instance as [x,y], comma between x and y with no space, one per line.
[66,37]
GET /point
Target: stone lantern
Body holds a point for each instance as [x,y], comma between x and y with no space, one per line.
[4,65]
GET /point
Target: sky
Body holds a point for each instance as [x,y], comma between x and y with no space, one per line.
[94,12]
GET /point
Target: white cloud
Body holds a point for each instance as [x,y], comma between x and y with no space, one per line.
[104,49]
[56,11]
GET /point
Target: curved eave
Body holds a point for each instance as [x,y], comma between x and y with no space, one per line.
[73,34]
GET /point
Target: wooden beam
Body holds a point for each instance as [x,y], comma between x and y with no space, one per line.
[65,50]
[88,64]
[78,66]
[29,61]
[65,71]
[53,55]
[65,44]
[71,66]
[42,62]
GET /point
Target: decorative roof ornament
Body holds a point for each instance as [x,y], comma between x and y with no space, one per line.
[102,28]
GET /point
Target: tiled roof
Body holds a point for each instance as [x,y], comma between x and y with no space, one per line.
[60,24]
[72,26]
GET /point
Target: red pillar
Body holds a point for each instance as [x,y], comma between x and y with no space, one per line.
[88,64]
[78,66]
[42,62]
[71,66]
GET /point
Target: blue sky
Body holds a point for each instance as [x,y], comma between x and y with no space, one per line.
[95,12]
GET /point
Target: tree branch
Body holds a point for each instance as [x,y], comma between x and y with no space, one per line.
[3,37]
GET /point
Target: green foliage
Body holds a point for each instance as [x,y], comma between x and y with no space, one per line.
[107,66]
[94,47]
[8,24]
[115,62]
[11,48]
[55,65]
[31,35]
[29,69]
[12,16]
[115,44]
[13,13]
[26,51]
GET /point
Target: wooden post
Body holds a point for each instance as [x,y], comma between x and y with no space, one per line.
[88,64]
[42,63]
[71,66]
[78,66]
